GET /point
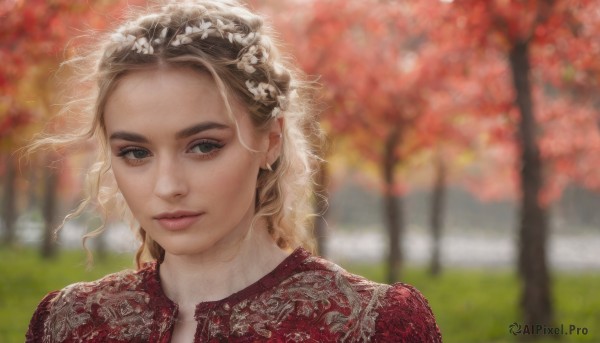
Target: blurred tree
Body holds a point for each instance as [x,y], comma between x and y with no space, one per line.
[34,36]
[437,211]
[15,118]
[49,209]
[458,74]
[377,76]
[273,9]
[336,43]
[533,40]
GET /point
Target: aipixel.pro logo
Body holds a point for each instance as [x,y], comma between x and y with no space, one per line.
[538,329]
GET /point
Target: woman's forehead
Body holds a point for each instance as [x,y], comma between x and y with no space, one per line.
[170,100]
[168,91]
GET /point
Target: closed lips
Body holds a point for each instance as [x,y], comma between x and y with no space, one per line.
[178,220]
[175,215]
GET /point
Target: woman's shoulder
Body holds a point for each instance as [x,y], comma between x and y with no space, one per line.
[405,316]
[109,285]
[65,311]
[376,311]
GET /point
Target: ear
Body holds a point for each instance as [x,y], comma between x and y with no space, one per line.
[275,138]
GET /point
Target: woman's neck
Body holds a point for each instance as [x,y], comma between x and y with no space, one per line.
[189,280]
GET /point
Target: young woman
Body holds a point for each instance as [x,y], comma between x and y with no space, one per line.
[205,134]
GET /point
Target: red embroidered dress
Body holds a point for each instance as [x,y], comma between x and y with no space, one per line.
[304,299]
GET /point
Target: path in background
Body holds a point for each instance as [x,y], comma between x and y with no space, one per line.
[577,252]
[573,252]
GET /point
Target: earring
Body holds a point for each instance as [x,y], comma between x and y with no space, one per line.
[269,167]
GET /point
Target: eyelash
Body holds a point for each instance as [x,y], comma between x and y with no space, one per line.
[123,152]
[214,149]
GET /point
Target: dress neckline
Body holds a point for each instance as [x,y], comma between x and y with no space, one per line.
[273,278]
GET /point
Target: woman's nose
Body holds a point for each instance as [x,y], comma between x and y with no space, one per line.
[170,181]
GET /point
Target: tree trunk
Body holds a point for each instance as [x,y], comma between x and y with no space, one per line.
[535,297]
[101,246]
[48,249]
[321,209]
[9,209]
[393,208]
[438,203]
[33,194]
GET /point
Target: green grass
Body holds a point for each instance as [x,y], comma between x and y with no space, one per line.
[26,278]
[475,305]
[470,305]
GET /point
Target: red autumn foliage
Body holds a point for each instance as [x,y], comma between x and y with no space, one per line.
[36,33]
[562,35]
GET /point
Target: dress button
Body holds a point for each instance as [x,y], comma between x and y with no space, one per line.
[226,307]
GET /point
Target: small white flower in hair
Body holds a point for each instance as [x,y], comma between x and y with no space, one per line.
[276,111]
[254,55]
[142,45]
[283,101]
[269,89]
[162,36]
[122,40]
[223,28]
[205,25]
[191,29]
[247,68]
[182,38]
[251,85]
[261,92]
[205,28]
[244,40]
[259,49]
[238,38]
[264,92]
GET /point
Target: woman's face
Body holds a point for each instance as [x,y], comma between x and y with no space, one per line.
[179,162]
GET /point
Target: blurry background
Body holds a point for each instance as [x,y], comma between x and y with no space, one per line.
[463,154]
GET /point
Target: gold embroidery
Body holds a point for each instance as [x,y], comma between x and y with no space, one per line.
[324,295]
[119,305]
[312,295]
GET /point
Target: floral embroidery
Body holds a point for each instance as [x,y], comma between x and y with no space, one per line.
[347,309]
[306,299]
[76,310]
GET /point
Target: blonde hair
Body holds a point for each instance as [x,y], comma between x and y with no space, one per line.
[237,49]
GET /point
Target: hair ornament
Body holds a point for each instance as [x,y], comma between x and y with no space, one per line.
[143,46]
[225,28]
[276,111]
[283,100]
[184,38]
[163,35]
[265,92]
[244,40]
[261,91]
[254,55]
[122,40]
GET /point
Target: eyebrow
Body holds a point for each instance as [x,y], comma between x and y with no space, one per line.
[192,130]
[187,132]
